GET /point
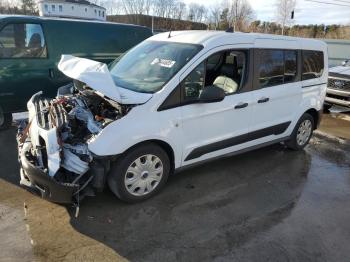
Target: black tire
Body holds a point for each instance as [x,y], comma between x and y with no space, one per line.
[326,107]
[5,120]
[116,177]
[292,142]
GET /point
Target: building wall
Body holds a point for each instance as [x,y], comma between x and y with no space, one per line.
[71,10]
[338,51]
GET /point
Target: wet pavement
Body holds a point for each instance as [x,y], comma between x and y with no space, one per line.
[271,204]
[337,123]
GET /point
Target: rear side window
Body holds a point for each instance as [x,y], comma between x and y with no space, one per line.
[290,66]
[271,68]
[276,67]
[313,64]
[22,40]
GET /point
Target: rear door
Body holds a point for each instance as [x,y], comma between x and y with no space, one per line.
[277,93]
[24,63]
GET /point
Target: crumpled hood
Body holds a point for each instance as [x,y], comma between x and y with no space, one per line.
[340,70]
[97,76]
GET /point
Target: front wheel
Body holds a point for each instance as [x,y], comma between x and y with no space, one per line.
[5,119]
[302,132]
[139,173]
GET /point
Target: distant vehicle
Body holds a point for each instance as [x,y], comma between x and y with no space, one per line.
[31,47]
[174,100]
[338,89]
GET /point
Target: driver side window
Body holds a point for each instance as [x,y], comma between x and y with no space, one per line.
[224,69]
[193,84]
[22,40]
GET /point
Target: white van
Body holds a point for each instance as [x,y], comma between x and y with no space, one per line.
[174,100]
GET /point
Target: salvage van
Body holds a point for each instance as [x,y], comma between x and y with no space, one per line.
[175,100]
[31,47]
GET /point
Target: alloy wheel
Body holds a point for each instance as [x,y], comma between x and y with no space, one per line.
[304,132]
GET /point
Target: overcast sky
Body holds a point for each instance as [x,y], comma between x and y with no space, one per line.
[305,12]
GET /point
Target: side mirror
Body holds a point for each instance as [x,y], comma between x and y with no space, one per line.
[211,94]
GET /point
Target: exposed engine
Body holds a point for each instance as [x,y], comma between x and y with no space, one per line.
[76,115]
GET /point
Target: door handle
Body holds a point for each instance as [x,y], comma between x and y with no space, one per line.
[51,73]
[263,100]
[241,105]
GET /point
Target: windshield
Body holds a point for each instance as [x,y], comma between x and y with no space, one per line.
[148,66]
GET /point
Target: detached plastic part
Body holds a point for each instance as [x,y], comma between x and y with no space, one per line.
[49,188]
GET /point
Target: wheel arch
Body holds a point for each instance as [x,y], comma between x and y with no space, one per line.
[162,144]
[316,115]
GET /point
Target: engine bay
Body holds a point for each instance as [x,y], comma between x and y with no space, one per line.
[55,139]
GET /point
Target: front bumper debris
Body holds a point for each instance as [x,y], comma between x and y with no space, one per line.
[48,187]
[57,170]
[39,180]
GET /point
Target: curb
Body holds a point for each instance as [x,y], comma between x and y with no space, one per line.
[331,138]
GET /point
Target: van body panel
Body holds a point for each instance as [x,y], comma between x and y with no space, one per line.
[281,100]
[20,78]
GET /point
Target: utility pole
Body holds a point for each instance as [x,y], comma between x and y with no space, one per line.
[152,24]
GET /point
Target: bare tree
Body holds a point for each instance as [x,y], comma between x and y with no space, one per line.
[182,10]
[240,14]
[148,6]
[196,12]
[29,7]
[169,10]
[113,7]
[130,6]
[178,10]
[284,9]
[215,12]
[159,7]
[9,7]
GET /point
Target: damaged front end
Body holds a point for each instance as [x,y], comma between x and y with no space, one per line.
[53,144]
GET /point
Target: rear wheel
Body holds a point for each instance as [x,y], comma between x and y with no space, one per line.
[302,132]
[139,173]
[5,119]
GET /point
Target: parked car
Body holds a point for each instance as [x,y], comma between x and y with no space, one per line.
[175,100]
[338,89]
[31,47]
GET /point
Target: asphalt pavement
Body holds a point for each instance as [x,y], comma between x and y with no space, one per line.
[271,204]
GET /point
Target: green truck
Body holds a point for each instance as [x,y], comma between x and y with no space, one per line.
[31,47]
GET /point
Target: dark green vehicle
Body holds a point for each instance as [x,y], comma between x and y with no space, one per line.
[31,47]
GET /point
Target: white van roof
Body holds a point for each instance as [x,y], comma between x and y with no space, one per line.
[208,38]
